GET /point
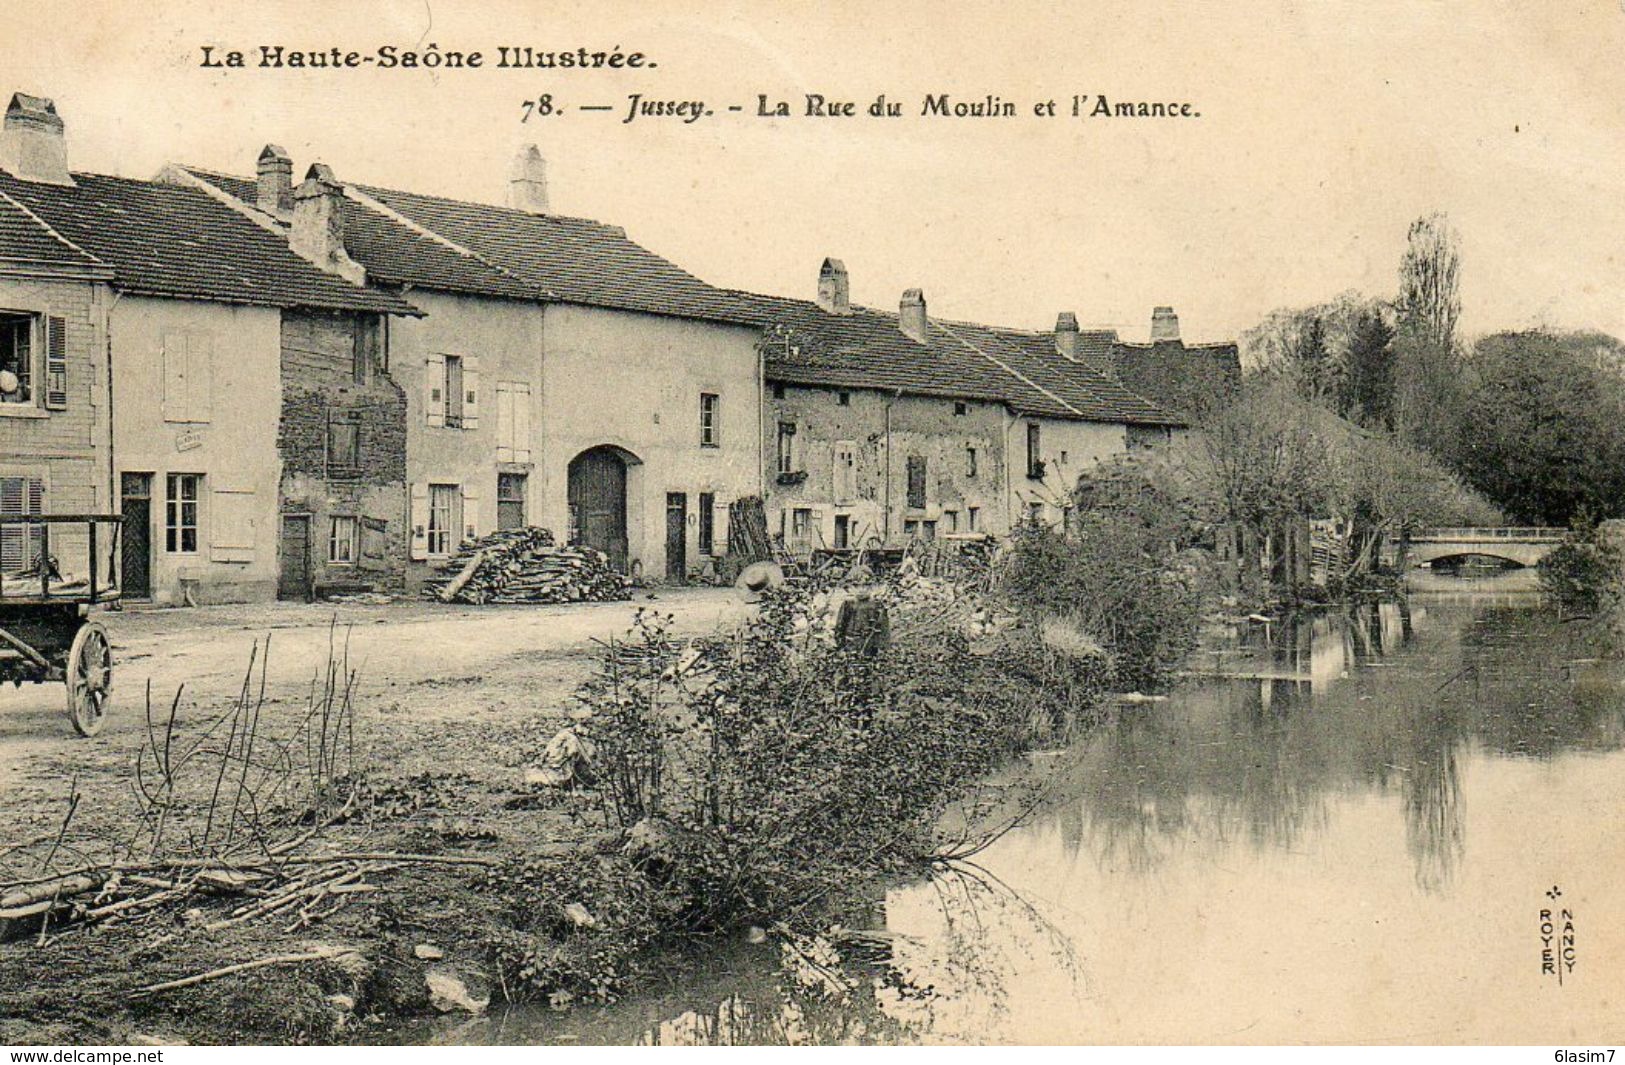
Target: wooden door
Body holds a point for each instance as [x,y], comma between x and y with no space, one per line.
[135,551]
[677,535]
[597,494]
[293,576]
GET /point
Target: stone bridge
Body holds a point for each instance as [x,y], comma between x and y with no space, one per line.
[1523,546]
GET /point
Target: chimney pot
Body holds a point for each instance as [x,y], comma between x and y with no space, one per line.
[1164,324]
[911,316]
[33,146]
[317,233]
[527,181]
[275,185]
[1066,334]
[834,293]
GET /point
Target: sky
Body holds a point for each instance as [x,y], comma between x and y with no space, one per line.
[1324,128]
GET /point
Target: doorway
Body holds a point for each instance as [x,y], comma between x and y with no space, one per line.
[293,575]
[597,497]
[677,536]
[135,550]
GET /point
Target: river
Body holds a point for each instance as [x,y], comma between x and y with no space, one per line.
[1343,827]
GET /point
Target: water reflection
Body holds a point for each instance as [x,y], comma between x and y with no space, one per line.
[1309,840]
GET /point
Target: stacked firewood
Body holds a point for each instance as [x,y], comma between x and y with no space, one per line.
[526,566]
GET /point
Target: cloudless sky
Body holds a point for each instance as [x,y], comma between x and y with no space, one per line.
[1325,128]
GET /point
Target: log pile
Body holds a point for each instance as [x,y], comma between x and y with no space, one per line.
[526,566]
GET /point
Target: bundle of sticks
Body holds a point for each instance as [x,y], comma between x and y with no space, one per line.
[525,566]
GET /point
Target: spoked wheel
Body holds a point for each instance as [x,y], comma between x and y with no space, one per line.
[90,679]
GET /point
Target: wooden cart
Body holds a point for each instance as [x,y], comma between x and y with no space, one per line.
[46,630]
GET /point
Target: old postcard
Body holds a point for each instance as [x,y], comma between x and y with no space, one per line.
[759,523]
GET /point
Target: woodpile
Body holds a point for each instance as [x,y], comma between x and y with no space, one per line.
[526,566]
[748,539]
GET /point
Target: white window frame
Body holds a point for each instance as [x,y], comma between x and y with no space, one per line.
[32,402]
[341,544]
[710,419]
[444,528]
[177,522]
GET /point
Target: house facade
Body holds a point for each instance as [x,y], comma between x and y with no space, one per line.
[884,428]
[189,326]
[560,374]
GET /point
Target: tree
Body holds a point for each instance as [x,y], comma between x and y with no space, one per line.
[1368,379]
[1427,358]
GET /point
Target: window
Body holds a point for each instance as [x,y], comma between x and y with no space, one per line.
[844,398]
[801,529]
[950,521]
[961,409]
[180,513]
[778,391]
[1035,513]
[511,500]
[710,427]
[843,532]
[17,359]
[452,390]
[344,542]
[188,375]
[911,529]
[971,516]
[20,545]
[970,462]
[343,442]
[787,448]
[445,517]
[916,482]
[369,354]
[1035,459]
[928,531]
[708,523]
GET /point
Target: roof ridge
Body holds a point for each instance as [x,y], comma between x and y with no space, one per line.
[250,211]
[1018,375]
[50,229]
[490,206]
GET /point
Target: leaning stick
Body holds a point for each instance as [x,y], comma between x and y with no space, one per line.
[279,959]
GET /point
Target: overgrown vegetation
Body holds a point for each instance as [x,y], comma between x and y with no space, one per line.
[1585,578]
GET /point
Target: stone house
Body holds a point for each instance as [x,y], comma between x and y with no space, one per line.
[885,427]
[561,376]
[198,350]
[1187,378]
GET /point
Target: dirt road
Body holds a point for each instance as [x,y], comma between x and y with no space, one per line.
[419,664]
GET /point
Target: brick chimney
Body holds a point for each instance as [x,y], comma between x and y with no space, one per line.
[1066,334]
[275,180]
[527,181]
[318,224]
[834,294]
[1164,324]
[911,317]
[32,144]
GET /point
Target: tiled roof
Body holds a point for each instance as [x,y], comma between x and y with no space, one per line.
[866,349]
[397,254]
[169,240]
[570,260]
[25,239]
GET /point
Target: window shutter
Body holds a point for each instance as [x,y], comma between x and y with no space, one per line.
[471,513]
[175,376]
[719,535]
[434,402]
[521,422]
[505,422]
[420,521]
[199,376]
[471,392]
[56,364]
[231,526]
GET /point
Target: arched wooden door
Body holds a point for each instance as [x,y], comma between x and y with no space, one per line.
[598,503]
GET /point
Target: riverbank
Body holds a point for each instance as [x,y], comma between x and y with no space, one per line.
[457,884]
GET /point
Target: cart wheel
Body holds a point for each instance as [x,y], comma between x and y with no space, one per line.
[90,679]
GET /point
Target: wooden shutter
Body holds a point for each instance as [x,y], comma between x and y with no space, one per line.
[199,376]
[505,426]
[434,400]
[916,482]
[420,521]
[471,392]
[471,514]
[521,421]
[174,357]
[56,364]
[231,525]
[720,535]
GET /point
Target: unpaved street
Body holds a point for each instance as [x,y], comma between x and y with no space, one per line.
[418,662]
